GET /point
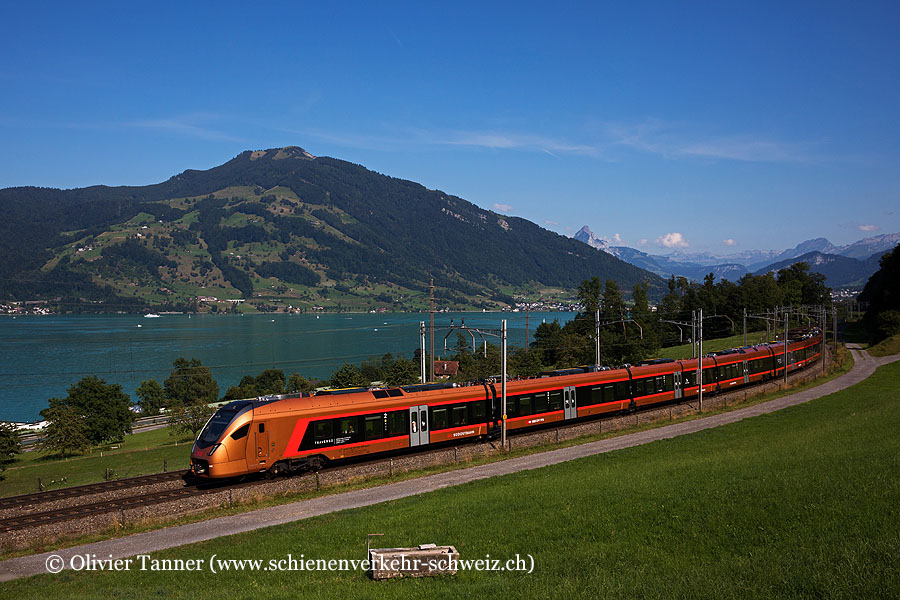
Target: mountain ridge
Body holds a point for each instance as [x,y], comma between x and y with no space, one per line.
[860,259]
[282,226]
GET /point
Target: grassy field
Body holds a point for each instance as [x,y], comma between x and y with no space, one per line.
[800,503]
[139,454]
[886,347]
[735,341]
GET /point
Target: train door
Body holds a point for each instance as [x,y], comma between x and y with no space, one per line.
[678,385]
[418,425]
[262,443]
[495,416]
[570,409]
[746,372]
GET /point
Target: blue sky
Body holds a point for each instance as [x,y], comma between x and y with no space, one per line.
[714,126]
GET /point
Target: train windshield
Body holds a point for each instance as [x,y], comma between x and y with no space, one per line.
[216,426]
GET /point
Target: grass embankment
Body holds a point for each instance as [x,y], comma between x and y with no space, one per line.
[716,345]
[138,454]
[803,502]
[886,347]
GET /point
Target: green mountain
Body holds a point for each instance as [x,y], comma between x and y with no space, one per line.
[280,228]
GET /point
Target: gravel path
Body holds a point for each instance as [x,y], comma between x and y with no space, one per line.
[161,539]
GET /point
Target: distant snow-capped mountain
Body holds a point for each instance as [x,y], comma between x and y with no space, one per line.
[842,265]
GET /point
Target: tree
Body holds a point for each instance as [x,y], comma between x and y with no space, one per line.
[297,383]
[802,286]
[347,376]
[402,372]
[152,397]
[190,418]
[10,445]
[589,294]
[612,306]
[190,382]
[104,408]
[882,293]
[524,363]
[270,382]
[246,388]
[66,431]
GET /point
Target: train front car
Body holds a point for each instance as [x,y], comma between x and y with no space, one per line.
[221,448]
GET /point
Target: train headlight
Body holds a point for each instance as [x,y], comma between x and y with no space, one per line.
[213,449]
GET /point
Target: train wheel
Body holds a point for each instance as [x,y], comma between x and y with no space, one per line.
[316,463]
[276,470]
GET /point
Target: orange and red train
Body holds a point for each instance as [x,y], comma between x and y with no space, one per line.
[292,433]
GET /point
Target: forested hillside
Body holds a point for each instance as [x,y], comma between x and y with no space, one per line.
[280,228]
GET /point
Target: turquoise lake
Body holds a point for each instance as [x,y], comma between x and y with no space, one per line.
[44,355]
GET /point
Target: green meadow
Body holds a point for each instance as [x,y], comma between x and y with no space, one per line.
[138,454]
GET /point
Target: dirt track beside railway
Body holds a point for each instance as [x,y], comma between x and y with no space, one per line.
[175,536]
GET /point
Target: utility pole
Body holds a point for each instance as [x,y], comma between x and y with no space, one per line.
[526,324]
[823,321]
[785,347]
[503,380]
[422,353]
[431,371]
[834,325]
[700,358]
[693,334]
[745,325]
[597,338]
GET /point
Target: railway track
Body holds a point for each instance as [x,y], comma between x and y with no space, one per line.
[69,513]
[28,503]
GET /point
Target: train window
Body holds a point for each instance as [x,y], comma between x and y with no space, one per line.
[397,422]
[322,430]
[439,418]
[525,408]
[512,406]
[541,403]
[623,390]
[640,387]
[262,427]
[241,432]
[478,411]
[459,415]
[669,382]
[374,427]
[347,426]
[609,393]
[556,400]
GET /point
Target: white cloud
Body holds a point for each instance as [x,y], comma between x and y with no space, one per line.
[512,141]
[869,228]
[192,125]
[643,241]
[729,242]
[674,141]
[550,223]
[617,238]
[672,240]
[504,208]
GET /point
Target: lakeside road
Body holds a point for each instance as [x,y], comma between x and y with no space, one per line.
[161,539]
